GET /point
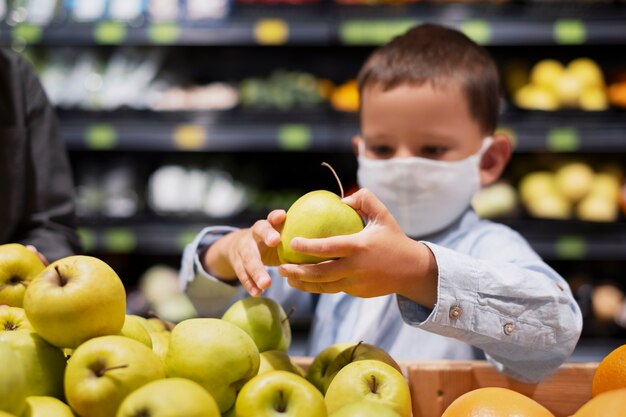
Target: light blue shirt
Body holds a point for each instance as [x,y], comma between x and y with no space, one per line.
[494,293]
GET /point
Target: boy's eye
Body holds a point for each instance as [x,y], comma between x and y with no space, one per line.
[382,151]
[433,151]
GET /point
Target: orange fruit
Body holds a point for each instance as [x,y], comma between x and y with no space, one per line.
[607,404]
[611,372]
[492,401]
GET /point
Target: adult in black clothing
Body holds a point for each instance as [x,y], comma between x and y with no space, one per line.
[36,187]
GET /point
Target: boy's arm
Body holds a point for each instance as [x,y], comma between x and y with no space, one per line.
[504,300]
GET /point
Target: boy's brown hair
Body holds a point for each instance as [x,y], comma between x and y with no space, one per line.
[439,56]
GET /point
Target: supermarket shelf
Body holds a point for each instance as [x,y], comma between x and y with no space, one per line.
[553,240]
[327,23]
[316,130]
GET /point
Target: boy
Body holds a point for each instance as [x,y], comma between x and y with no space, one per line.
[425,279]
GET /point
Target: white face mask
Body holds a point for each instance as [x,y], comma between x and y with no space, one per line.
[423,195]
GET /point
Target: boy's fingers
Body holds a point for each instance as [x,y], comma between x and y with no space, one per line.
[365,202]
[277,217]
[315,287]
[263,232]
[328,247]
[323,272]
[246,280]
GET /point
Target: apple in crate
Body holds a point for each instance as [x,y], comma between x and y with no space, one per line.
[18,266]
[13,318]
[12,382]
[365,408]
[42,406]
[75,299]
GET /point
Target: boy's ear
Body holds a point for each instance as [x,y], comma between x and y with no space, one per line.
[495,159]
[356,140]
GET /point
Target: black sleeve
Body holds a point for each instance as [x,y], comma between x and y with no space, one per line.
[45,206]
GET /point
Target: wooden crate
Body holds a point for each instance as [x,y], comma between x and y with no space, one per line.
[435,384]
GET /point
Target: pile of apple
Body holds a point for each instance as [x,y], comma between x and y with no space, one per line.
[68,348]
[573,190]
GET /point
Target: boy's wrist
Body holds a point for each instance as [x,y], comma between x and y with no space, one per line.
[421,283]
[215,258]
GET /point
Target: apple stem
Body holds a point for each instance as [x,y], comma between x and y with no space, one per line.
[102,371]
[8,326]
[354,350]
[281,407]
[374,384]
[336,176]
[62,281]
[289,314]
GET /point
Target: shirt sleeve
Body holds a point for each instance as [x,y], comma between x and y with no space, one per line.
[519,311]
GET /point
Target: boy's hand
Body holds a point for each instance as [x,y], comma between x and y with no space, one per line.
[377,261]
[40,255]
[243,254]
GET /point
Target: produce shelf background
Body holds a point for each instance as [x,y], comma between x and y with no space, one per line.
[121,150]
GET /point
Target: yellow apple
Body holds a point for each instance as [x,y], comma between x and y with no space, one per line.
[18,267]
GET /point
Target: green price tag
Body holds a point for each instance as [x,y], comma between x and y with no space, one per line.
[120,240]
[570,32]
[563,139]
[373,32]
[27,33]
[477,30]
[570,247]
[164,33]
[100,137]
[185,237]
[110,33]
[87,239]
[294,137]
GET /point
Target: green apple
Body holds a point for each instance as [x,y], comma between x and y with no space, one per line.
[160,343]
[104,370]
[5,414]
[171,397]
[18,266]
[44,364]
[12,381]
[41,406]
[317,370]
[360,351]
[279,394]
[264,320]
[134,329]
[216,354]
[370,380]
[277,360]
[13,318]
[75,299]
[365,408]
[157,324]
[317,214]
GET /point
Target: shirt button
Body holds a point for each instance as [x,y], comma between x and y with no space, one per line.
[508,329]
[455,312]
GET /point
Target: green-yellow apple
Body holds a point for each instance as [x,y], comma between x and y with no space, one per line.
[171,397]
[104,370]
[277,360]
[41,406]
[317,370]
[13,318]
[264,320]
[5,414]
[216,354]
[12,381]
[134,329]
[370,380]
[317,214]
[358,352]
[44,364]
[365,408]
[75,299]
[18,266]
[279,394]
[158,324]
[160,343]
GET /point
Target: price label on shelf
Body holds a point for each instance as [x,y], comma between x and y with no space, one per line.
[189,137]
[373,32]
[164,33]
[119,240]
[570,32]
[271,32]
[570,247]
[100,137]
[477,30]
[27,33]
[294,137]
[110,33]
[563,139]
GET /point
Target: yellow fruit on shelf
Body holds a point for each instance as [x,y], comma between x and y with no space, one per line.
[597,208]
[587,72]
[532,97]
[611,373]
[550,206]
[568,89]
[546,73]
[346,97]
[535,185]
[495,401]
[574,180]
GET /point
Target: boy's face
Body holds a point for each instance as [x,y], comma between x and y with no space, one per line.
[419,121]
